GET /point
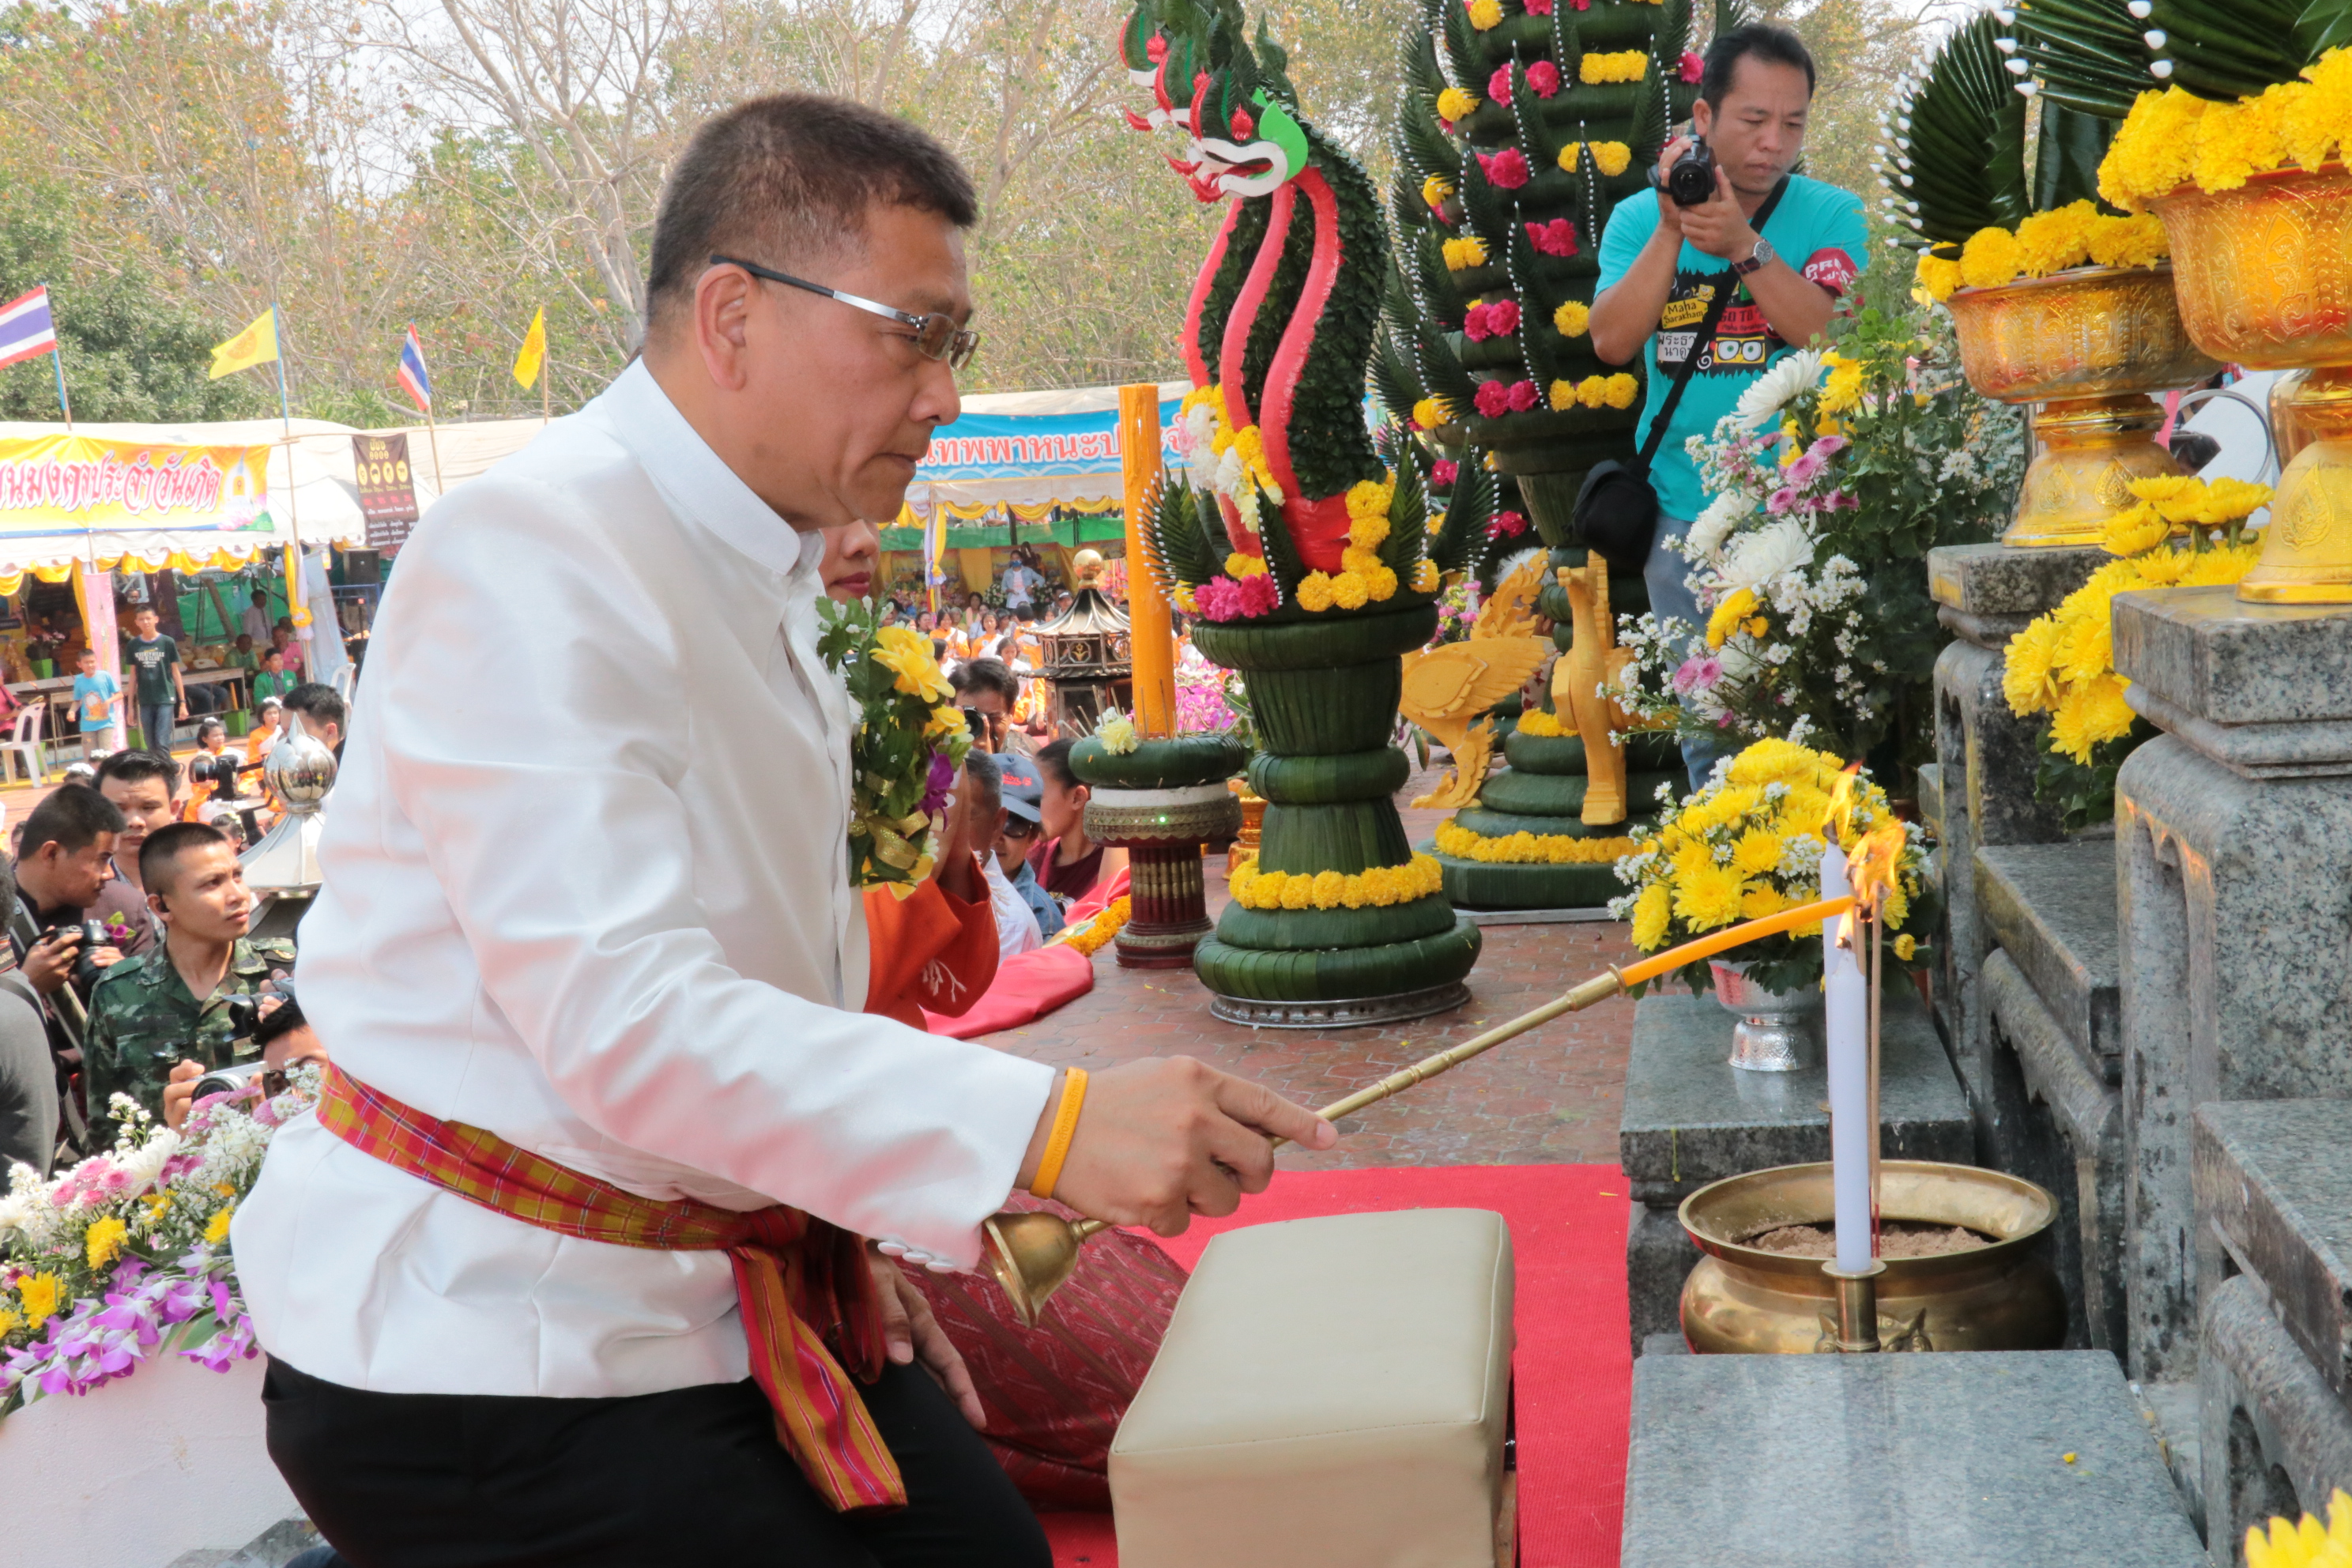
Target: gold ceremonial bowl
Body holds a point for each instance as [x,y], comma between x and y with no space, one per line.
[1742,1300]
[2088,345]
[2264,276]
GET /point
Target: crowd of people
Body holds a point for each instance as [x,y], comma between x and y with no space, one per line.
[127,944]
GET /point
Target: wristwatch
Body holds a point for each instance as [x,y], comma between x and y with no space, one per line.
[1756,257]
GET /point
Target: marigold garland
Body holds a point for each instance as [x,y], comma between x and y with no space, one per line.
[1375,889]
[1530,849]
[2076,235]
[1090,936]
[1611,158]
[1617,390]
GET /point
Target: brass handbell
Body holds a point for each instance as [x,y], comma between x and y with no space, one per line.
[1032,1253]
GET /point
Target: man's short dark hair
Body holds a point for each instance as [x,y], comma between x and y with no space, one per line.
[130,767]
[986,675]
[159,857]
[72,817]
[777,180]
[316,700]
[1763,40]
[981,779]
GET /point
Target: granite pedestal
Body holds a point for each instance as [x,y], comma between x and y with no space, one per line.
[2274,1192]
[2234,854]
[1691,1118]
[2052,1011]
[2002,1459]
[1986,758]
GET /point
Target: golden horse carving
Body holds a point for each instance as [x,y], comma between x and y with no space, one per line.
[1592,660]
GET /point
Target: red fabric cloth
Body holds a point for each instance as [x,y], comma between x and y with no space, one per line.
[1028,986]
[800,1281]
[1055,1394]
[1102,897]
[927,951]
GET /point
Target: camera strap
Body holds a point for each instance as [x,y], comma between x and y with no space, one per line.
[1726,284]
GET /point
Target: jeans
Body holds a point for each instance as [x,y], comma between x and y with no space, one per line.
[156,725]
[1670,599]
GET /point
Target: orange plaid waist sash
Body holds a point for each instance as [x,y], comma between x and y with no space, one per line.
[798,1279]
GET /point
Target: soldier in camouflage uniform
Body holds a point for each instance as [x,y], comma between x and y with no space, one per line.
[143,1018]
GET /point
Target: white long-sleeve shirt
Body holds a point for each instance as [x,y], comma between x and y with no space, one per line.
[586,887]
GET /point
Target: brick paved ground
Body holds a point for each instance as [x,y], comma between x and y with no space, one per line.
[1550,1095]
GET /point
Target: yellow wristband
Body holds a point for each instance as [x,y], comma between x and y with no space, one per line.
[1065,1127]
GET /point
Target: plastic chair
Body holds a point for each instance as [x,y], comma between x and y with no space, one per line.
[23,746]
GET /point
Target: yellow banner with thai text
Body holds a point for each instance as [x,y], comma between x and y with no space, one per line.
[56,484]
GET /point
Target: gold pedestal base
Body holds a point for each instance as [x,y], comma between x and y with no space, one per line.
[2087,452]
[2308,548]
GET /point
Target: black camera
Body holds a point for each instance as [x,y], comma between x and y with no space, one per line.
[244,1015]
[1689,179]
[93,937]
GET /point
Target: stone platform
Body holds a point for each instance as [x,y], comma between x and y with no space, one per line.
[1989,1460]
[1691,1118]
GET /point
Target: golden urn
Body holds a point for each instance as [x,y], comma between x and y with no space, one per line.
[2264,276]
[2087,346]
[1743,1299]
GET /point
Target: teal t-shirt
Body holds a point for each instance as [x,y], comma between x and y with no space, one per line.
[1817,229]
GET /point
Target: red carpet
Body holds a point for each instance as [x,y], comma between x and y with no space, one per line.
[1575,1368]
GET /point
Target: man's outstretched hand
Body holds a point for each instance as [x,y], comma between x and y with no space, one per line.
[1163,1140]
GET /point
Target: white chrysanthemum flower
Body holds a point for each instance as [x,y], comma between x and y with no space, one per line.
[1778,388]
[1714,525]
[1758,557]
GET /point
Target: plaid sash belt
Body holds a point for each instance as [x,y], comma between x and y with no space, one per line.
[793,1273]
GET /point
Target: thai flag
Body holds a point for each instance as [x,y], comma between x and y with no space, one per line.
[26,328]
[411,376]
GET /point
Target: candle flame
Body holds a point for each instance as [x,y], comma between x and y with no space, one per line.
[1837,824]
[1870,868]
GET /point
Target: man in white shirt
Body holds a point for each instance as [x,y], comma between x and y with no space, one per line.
[255,622]
[589,963]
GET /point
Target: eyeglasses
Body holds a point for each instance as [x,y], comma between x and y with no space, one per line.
[935,337]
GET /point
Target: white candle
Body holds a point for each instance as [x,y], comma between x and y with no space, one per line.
[1847,997]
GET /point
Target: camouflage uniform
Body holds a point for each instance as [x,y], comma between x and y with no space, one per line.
[142,1022]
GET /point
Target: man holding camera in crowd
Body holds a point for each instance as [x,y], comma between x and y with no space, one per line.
[176,1004]
[63,861]
[1788,248]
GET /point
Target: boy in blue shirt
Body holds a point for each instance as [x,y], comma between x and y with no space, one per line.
[1661,264]
[96,697]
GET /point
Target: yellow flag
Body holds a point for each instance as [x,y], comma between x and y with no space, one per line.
[534,350]
[257,344]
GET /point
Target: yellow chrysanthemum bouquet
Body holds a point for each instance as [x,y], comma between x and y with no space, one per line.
[2063,664]
[2304,1543]
[1750,844]
[911,739]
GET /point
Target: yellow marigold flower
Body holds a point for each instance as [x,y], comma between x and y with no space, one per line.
[2053,241]
[1349,591]
[1436,189]
[1380,584]
[1366,533]
[1562,396]
[1328,885]
[1709,897]
[1315,592]
[1843,388]
[1357,559]
[1757,852]
[2155,150]
[41,1295]
[1626,65]
[1369,498]
[1652,913]
[1463,253]
[1297,893]
[1568,157]
[2135,241]
[1728,615]
[2237,140]
[1535,721]
[1426,576]
[1619,390]
[907,653]
[1456,105]
[1990,258]
[1484,14]
[216,1229]
[1938,276]
[102,1242]
[1907,948]
[1431,412]
[1593,391]
[2134,531]
[1184,601]
[1238,565]
[1571,318]
[1613,158]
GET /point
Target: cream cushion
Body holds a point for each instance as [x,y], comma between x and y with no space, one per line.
[1330,1390]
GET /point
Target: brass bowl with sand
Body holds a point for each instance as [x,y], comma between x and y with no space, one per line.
[2001,1296]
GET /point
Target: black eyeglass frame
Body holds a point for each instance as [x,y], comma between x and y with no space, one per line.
[936,337]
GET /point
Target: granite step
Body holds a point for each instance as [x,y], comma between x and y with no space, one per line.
[2052,908]
[1995,1460]
[2275,1191]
